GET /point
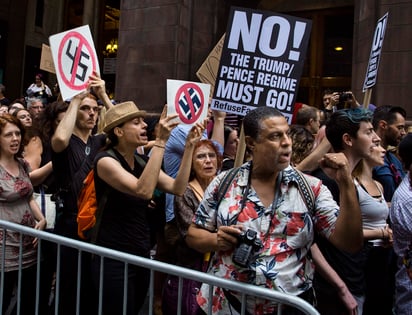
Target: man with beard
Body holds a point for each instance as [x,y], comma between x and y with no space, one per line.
[389,124]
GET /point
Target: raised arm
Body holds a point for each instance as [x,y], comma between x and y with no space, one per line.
[99,87]
[115,175]
[218,133]
[348,234]
[64,130]
[178,185]
[311,162]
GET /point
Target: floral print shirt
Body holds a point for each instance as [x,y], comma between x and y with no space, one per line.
[15,195]
[285,228]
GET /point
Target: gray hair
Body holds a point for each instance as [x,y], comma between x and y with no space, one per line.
[31,100]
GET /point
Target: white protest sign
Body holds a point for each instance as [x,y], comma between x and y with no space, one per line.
[261,62]
[375,55]
[75,59]
[189,100]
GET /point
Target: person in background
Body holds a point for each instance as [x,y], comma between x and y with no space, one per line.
[230,148]
[3,99]
[309,117]
[264,201]
[389,124]
[171,162]
[39,89]
[401,219]
[4,109]
[302,143]
[35,106]
[24,116]
[124,222]
[206,162]
[18,206]
[16,105]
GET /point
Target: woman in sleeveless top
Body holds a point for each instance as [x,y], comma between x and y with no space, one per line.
[129,185]
[379,276]
[17,206]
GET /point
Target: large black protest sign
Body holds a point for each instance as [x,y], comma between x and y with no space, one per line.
[262,61]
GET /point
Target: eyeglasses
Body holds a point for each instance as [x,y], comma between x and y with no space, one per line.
[395,173]
[204,156]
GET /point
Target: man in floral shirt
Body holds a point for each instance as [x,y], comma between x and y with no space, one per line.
[264,196]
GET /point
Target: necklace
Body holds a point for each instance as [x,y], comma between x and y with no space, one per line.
[377,197]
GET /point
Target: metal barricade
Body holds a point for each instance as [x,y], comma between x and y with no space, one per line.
[152,265]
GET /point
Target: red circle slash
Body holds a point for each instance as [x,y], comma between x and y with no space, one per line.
[189,103]
[69,78]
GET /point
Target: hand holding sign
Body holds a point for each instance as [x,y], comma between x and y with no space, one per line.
[188,100]
[75,59]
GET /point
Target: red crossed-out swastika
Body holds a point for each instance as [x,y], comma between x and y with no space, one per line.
[83,52]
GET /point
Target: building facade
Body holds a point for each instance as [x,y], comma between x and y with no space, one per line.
[141,44]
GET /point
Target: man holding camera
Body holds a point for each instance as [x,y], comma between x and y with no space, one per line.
[262,229]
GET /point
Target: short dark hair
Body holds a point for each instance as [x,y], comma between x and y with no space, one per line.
[386,113]
[253,119]
[345,121]
[405,150]
[306,113]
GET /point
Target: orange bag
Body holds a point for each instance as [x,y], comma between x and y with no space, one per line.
[87,205]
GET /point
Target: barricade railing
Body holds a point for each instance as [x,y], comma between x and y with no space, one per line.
[152,265]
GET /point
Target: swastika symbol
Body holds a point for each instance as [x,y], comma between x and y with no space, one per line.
[75,48]
[189,103]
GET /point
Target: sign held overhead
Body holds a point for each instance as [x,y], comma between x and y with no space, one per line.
[75,59]
[261,62]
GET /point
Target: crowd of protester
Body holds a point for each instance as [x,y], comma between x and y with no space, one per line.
[319,209]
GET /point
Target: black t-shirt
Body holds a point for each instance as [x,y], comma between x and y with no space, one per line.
[350,267]
[71,166]
[124,224]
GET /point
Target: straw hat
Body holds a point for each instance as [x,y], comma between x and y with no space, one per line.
[121,113]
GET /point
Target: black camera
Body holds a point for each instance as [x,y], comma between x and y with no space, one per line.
[344,97]
[247,246]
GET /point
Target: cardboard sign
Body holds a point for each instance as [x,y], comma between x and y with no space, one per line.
[262,62]
[208,70]
[75,59]
[189,100]
[46,59]
[375,55]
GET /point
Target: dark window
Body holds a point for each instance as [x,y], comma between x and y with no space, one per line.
[39,13]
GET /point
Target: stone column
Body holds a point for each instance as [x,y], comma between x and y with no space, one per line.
[159,41]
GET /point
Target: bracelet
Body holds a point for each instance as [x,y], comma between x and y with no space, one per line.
[159,146]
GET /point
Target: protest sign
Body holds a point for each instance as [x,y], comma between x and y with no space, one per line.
[46,59]
[189,100]
[208,70]
[261,63]
[75,59]
[375,55]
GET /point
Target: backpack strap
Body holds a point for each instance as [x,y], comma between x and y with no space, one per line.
[305,190]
